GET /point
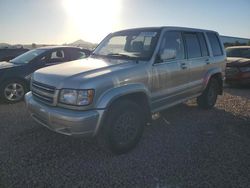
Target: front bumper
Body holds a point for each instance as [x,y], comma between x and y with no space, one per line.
[64,121]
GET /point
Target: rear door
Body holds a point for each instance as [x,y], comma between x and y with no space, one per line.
[197,58]
[171,75]
[217,57]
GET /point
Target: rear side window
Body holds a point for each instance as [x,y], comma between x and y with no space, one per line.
[215,44]
[203,44]
[59,54]
[192,45]
[77,54]
[56,56]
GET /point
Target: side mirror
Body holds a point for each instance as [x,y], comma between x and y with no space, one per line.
[168,54]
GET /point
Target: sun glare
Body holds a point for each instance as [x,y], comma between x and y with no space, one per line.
[92,19]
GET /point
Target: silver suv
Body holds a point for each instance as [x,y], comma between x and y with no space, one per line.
[130,75]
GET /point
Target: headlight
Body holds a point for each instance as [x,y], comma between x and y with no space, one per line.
[245,69]
[76,97]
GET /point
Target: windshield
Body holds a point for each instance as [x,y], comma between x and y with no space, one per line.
[28,56]
[131,44]
[238,52]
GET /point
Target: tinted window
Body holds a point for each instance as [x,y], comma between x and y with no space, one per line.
[77,54]
[172,42]
[238,52]
[56,56]
[203,44]
[215,44]
[59,54]
[193,45]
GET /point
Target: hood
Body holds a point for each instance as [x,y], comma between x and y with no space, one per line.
[71,74]
[237,62]
[5,65]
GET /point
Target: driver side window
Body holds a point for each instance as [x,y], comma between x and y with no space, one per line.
[56,56]
[172,46]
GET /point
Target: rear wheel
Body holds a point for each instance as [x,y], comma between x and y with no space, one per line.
[13,91]
[208,98]
[122,128]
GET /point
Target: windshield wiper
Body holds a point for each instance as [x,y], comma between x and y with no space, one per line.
[119,55]
[96,55]
[115,55]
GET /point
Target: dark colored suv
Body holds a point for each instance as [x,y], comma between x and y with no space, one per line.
[15,75]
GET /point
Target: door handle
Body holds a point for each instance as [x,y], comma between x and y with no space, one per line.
[207,61]
[183,65]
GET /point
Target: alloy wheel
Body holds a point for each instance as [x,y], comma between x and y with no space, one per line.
[14,92]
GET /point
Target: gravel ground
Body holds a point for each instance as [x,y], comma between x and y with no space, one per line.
[187,147]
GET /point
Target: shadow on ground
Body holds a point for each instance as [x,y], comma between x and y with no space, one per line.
[240,91]
[187,147]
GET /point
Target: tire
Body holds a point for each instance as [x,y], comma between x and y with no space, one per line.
[13,91]
[209,96]
[122,128]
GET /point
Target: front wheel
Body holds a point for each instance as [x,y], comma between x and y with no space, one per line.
[12,91]
[123,127]
[208,98]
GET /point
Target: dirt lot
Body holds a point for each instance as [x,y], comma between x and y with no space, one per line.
[187,147]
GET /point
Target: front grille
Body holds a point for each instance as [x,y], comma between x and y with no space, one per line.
[44,93]
[231,71]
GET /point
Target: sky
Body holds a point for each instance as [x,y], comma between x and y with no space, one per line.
[65,21]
